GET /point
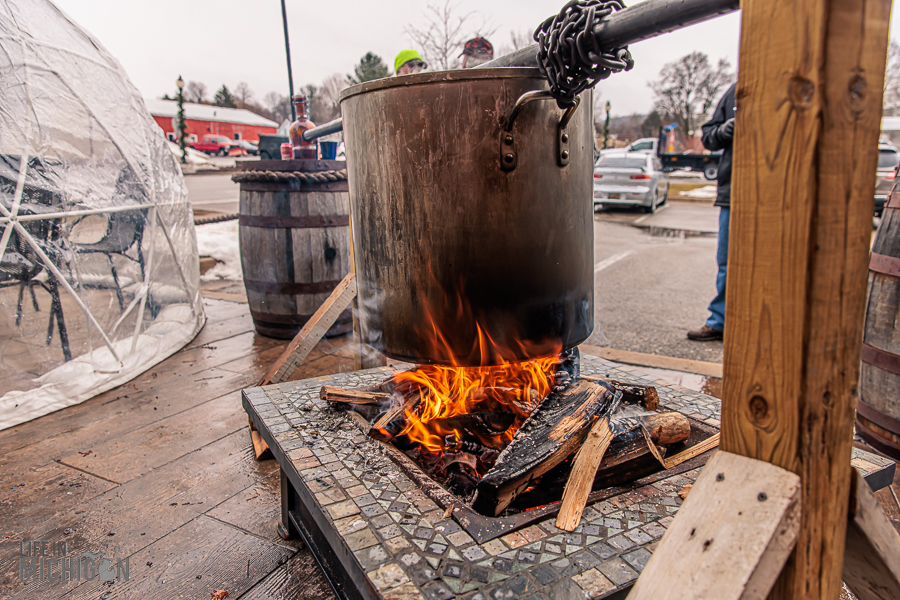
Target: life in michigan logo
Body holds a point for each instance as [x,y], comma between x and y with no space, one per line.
[44,561]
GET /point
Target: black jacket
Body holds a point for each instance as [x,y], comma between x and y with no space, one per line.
[716,138]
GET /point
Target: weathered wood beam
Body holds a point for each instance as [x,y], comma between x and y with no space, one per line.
[306,339]
[809,108]
[731,537]
[872,554]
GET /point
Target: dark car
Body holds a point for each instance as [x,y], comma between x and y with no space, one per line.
[270,146]
[888,158]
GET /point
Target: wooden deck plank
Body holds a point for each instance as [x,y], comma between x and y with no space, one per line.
[42,493]
[203,556]
[124,457]
[256,509]
[147,508]
[117,413]
[298,579]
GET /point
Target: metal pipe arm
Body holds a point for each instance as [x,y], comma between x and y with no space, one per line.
[634,24]
[323,130]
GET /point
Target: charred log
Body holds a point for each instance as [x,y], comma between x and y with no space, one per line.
[552,433]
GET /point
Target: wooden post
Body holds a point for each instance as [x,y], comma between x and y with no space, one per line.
[809,109]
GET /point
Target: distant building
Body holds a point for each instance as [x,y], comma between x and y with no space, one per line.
[203,119]
[890,130]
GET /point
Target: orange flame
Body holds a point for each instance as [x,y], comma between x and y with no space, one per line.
[451,390]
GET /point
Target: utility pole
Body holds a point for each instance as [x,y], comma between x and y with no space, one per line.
[287,51]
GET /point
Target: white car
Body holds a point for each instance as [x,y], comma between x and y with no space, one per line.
[630,179]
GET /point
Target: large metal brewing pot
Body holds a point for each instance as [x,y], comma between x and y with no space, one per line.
[471,201]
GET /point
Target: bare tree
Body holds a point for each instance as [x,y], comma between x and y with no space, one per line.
[195,91]
[445,32]
[278,105]
[329,94]
[689,87]
[892,80]
[517,40]
[243,94]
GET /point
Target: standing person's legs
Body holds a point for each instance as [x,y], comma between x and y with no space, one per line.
[716,318]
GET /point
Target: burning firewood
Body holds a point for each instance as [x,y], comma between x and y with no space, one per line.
[552,433]
[663,428]
[355,396]
[632,393]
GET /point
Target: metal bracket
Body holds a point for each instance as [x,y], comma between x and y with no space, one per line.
[509,158]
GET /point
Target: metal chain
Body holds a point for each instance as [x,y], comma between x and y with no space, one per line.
[570,56]
[280,176]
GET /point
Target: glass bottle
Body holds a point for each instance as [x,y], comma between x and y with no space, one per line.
[302,148]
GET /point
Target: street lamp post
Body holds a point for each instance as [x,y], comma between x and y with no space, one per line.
[606,126]
[182,126]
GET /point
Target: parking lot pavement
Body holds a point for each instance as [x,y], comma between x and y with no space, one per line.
[213,193]
[673,218]
[651,289]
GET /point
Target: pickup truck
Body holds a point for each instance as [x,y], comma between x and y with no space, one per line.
[214,144]
[707,163]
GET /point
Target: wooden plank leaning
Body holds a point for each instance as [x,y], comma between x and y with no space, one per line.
[872,554]
[732,535]
[312,332]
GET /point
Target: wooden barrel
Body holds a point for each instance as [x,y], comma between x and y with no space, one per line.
[878,408]
[295,243]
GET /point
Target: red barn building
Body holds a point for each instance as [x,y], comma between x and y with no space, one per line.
[204,119]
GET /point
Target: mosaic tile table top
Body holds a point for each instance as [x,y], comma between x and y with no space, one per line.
[400,542]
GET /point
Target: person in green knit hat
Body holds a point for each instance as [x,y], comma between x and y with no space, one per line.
[409,62]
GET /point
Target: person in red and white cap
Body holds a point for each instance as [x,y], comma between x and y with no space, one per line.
[475,52]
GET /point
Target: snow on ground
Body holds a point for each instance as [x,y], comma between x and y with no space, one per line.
[220,241]
[707,191]
[683,174]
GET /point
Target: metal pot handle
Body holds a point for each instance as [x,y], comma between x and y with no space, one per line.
[509,158]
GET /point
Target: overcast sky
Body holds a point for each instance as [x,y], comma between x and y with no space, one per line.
[229,41]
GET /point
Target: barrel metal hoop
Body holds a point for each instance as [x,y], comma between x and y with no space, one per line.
[886,265]
[289,222]
[273,318]
[882,359]
[297,320]
[290,289]
[878,417]
[893,201]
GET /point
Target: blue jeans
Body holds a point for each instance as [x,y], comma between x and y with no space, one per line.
[716,318]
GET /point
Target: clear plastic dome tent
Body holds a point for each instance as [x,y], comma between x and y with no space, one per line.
[98,257]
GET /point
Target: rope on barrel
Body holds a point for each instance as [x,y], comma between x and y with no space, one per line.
[285,176]
[216,219]
[570,56]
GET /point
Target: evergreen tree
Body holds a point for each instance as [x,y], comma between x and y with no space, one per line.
[652,124]
[225,98]
[370,67]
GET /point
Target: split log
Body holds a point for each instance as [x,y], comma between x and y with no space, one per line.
[355,396]
[551,434]
[578,487]
[627,459]
[664,428]
[632,393]
[695,450]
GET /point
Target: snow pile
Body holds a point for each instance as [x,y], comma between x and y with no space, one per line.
[705,192]
[220,241]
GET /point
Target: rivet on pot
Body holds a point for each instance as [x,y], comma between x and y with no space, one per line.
[508,139]
[508,158]
[565,154]
[564,138]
